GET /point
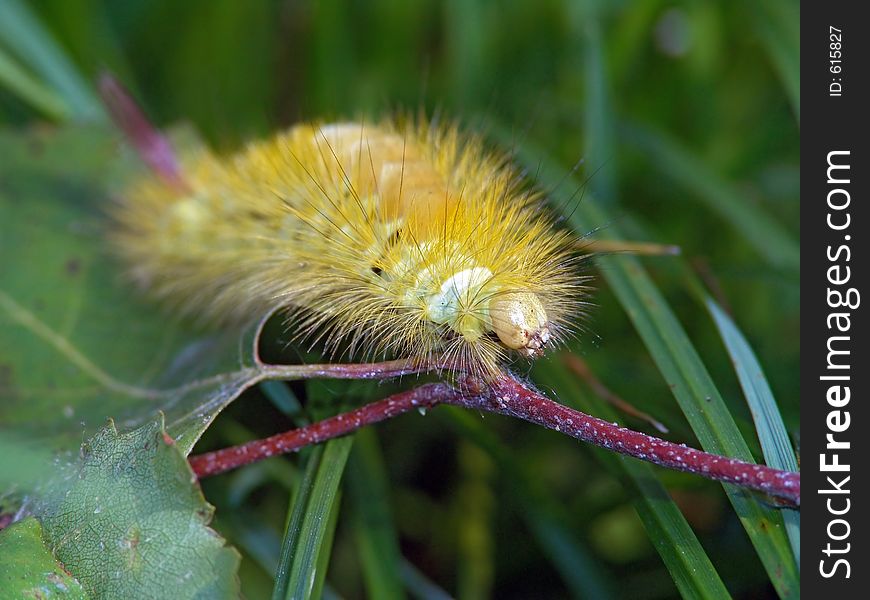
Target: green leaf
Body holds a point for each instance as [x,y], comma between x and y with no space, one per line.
[77,342]
[133,523]
[376,537]
[27,471]
[772,434]
[28,569]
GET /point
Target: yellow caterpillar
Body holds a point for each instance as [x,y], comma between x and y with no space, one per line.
[386,239]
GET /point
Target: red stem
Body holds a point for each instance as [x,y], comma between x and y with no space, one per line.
[509,397]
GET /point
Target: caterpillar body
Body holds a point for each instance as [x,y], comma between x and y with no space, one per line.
[409,240]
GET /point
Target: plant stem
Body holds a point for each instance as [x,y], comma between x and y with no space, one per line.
[507,396]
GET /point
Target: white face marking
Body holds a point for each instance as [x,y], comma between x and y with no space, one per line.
[456,293]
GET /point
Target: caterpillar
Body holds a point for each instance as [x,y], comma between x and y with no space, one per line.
[404,238]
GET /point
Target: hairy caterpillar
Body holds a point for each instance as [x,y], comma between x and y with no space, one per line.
[405,239]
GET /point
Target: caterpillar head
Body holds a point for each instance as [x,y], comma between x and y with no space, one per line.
[520,322]
[472,305]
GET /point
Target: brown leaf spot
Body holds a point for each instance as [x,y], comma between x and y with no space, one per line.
[72,267]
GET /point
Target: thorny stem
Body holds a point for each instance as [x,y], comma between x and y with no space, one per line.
[509,397]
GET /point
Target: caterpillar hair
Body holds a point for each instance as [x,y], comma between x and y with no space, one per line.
[402,238]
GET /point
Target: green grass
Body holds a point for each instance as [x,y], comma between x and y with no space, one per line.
[687,118]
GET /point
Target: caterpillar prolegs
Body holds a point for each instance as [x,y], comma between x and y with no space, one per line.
[405,239]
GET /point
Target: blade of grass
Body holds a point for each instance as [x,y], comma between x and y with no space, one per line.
[257,538]
[628,36]
[315,540]
[293,531]
[775,442]
[682,368]
[91,32]
[419,585]
[22,34]
[700,401]
[598,120]
[324,553]
[768,237]
[311,524]
[688,563]
[29,90]
[376,538]
[691,570]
